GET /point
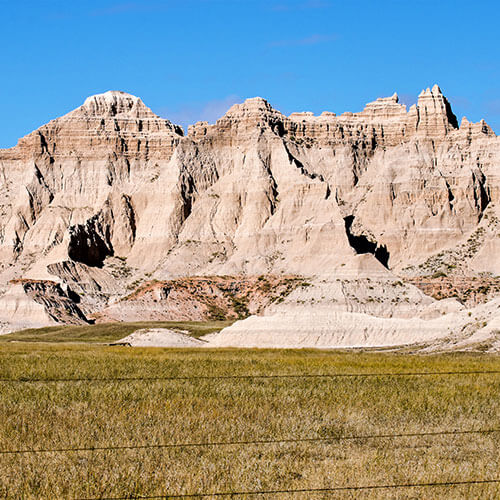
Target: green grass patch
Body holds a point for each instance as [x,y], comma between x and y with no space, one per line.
[109,332]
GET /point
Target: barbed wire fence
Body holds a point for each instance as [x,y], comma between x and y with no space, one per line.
[262,442]
[333,489]
[249,376]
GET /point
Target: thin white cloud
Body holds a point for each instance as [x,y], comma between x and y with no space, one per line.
[189,113]
[493,107]
[407,99]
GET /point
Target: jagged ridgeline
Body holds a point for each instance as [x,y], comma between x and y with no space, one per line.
[110,197]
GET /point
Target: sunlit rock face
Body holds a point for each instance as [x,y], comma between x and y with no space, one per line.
[111,195]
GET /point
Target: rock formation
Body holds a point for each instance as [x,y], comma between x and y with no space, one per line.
[110,197]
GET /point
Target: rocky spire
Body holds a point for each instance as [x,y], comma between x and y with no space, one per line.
[435,117]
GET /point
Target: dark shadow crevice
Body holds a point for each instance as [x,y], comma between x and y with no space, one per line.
[361,244]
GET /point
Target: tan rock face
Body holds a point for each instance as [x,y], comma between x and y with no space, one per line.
[77,168]
[411,182]
[113,122]
[35,303]
[111,195]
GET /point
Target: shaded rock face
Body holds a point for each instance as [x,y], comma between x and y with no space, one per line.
[37,303]
[90,243]
[61,305]
[362,244]
[111,195]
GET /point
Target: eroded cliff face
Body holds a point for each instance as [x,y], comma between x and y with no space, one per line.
[110,196]
[76,169]
[406,184]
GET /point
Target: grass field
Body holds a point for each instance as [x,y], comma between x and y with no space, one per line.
[36,415]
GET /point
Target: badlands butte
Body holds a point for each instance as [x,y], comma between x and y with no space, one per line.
[376,228]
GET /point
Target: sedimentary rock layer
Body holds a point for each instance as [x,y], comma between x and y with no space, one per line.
[111,196]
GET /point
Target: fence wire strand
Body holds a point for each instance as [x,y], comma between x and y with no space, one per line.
[304,490]
[249,376]
[207,444]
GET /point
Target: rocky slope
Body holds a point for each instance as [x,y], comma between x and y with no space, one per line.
[201,298]
[110,197]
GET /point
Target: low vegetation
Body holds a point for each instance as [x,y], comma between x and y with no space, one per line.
[452,261]
[468,290]
[36,415]
[110,332]
[217,298]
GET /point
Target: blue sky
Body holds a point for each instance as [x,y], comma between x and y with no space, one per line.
[192,59]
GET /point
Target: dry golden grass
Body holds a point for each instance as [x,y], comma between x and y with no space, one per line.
[82,414]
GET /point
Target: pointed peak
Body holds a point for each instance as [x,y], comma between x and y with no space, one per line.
[434,105]
[436,90]
[252,106]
